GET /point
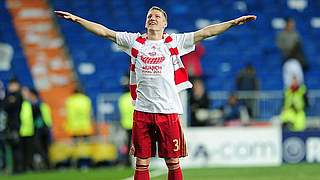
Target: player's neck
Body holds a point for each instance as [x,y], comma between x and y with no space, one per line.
[155,35]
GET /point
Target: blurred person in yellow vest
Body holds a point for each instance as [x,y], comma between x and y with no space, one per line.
[27,131]
[42,120]
[293,115]
[79,114]
[126,109]
[79,127]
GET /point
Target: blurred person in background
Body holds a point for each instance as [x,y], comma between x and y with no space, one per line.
[27,131]
[293,115]
[290,45]
[3,151]
[79,115]
[126,109]
[158,75]
[192,61]
[246,80]
[42,123]
[80,127]
[233,112]
[199,104]
[12,106]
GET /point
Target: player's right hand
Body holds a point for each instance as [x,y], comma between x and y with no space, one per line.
[66,15]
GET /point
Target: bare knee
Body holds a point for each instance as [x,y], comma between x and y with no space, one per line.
[172,163]
[142,164]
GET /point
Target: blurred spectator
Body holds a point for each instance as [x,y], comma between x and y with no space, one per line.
[246,80]
[79,126]
[295,102]
[233,111]
[292,69]
[192,62]
[2,94]
[199,103]
[126,109]
[26,132]
[3,151]
[12,107]
[42,122]
[79,114]
[290,44]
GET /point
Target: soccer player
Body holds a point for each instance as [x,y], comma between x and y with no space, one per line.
[157,76]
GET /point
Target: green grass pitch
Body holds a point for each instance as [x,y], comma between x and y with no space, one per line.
[284,172]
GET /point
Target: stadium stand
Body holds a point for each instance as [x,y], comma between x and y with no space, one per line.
[228,53]
[99,64]
[19,67]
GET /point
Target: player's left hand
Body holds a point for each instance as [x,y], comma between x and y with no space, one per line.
[244,19]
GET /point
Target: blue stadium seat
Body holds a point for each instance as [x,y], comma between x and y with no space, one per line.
[8,35]
[225,55]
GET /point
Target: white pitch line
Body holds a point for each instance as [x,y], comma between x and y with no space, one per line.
[153,174]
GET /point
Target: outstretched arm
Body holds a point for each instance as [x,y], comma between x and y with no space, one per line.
[216,29]
[95,28]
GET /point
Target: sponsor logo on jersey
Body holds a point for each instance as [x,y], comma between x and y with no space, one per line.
[152,60]
[152,53]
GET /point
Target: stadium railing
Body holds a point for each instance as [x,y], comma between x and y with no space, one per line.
[267,104]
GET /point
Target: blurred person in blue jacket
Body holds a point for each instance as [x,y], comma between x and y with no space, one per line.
[234,112]
[231,110]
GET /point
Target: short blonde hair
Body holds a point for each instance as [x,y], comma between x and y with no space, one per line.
[159,9]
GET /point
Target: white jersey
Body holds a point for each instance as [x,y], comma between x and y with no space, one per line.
[156,89]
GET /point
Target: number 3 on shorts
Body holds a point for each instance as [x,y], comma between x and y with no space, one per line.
[176,144]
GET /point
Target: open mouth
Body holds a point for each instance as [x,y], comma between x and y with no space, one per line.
[152,23]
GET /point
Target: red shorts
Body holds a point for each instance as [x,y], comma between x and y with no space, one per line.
[165,129]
